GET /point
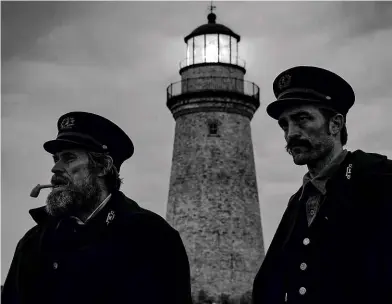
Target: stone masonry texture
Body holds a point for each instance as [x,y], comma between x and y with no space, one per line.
[213,199]
[209,70]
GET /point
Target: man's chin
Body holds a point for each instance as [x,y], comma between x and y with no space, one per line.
[54,210]
[58,201]
[300,159]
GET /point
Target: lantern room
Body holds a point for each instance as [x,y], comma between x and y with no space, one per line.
[212,43]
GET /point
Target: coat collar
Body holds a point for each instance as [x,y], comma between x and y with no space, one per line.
[340,177]
[356,166]
[116,205]
[320,181]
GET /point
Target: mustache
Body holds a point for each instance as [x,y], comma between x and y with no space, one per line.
[298,142]
[57,180]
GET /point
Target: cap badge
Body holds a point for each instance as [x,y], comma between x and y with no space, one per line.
[110,217]
[284,81]
[67,123]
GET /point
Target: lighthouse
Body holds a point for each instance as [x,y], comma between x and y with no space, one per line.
[213,198]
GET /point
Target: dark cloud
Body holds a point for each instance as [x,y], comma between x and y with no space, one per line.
[65,32]
[23,22]
[367,17]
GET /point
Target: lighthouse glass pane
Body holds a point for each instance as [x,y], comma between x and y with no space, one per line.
[189,52]
[234,54]
[224,48]
[199,49]
[212,48]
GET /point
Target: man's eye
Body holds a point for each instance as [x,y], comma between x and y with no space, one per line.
[68,159]
[64,159]
[283,127]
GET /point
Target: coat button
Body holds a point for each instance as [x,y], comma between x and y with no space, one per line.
[55,265]
[302,291]
[303,266]
[306,241]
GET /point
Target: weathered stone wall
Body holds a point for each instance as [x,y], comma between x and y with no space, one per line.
[212,83]
[216,104]
[213,202]
[212,77]
[213,70]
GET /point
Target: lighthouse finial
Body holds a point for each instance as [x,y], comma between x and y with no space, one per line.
[212,7]
[211,16]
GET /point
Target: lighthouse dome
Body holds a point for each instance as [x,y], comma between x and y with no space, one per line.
[212,28]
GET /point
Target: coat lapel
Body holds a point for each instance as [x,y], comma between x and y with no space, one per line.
[340,194]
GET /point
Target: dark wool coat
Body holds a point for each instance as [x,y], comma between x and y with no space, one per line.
[345,256]
[126,254]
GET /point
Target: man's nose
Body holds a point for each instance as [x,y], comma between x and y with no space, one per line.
[58,167]
[292,132]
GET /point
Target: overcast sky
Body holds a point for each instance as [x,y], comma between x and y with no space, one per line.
[117,58]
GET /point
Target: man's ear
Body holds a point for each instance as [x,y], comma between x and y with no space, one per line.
[336,124]
[106,166]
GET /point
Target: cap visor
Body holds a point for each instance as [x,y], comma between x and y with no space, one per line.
[57,145]
[276,108]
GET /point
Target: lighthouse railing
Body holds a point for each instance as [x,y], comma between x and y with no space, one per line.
[213,83]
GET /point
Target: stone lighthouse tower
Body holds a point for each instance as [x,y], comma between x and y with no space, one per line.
[213,198]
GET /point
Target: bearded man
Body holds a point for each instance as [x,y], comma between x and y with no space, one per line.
[333,244]
[91,243]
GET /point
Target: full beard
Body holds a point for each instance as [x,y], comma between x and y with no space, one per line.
[74,198]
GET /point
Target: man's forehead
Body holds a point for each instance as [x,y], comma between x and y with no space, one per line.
[71,152]
[310,109]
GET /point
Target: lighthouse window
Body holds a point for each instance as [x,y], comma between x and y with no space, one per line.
[224,48]
[189,52]
[234,51]
[211,54]
[199,49]
[213,128]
